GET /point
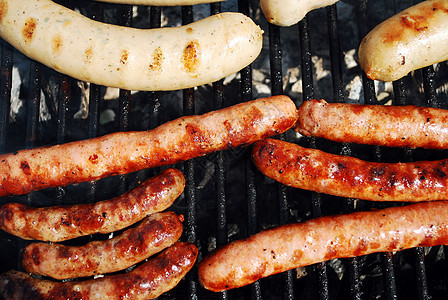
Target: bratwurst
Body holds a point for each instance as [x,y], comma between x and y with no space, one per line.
[168,58]
[290,12]
[290,246]
[124,152]
[59,223]
[147,281]
[414,38]
[155,233]
[346,176]
[393,126]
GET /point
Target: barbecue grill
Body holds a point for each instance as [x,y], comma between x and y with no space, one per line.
[226,198]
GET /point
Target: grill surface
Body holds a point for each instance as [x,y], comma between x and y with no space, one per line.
[225,197]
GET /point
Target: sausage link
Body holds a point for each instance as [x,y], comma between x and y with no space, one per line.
[152,235]
[346,176]
[147,281]
[167,58]
[290,246]
[59,223]
[414,38]
[124,152]
[290,12]
[393,126]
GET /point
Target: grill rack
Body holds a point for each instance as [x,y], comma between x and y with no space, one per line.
[319,283]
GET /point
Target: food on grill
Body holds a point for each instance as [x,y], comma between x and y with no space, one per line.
[290,12]
[414,38]
[393,126]
[59,223]
[124,152]
[290,246]
[130,58]
[160,2]
[346,176]
[155,233]
[147,281]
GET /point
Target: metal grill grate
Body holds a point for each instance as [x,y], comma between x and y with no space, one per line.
[236,201]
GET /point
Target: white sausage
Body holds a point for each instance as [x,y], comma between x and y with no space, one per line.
[414,38]
[136,59]
[290,12]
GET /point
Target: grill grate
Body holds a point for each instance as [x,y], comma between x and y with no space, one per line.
[241,198]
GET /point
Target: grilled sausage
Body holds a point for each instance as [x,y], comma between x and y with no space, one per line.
[290,246]
[346,176]
[393,126]
[168,58]
[125,152]
[59,223]
[152,235]
[146,281]
[414,38]
[290,12]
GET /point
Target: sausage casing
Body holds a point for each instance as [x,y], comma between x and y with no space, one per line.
[155,233]
[147,281]
[393,126]
[59,223]
[124,152]
[414,38]
[290,12]
[290,246]
[346,176]
[168,58]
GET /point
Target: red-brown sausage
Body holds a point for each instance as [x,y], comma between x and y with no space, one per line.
[146,281]
[155,233]
[124,152]
[59,223]
[290,246]
[393,126]
[346,176]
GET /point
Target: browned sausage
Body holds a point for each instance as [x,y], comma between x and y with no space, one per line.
[152,235]
[346,176]
[412,39]
[290,246]
[393,126]
[125,152]
[146,281]
[59,223]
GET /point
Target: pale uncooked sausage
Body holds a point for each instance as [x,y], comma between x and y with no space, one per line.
[168,58]
[414,38]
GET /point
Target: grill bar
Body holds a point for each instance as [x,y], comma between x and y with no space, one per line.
[338,96]
[251,188]
[5,92]
[389,276]
[308,94]
[335,54]
[275,58]
[32,125]
[190,192]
